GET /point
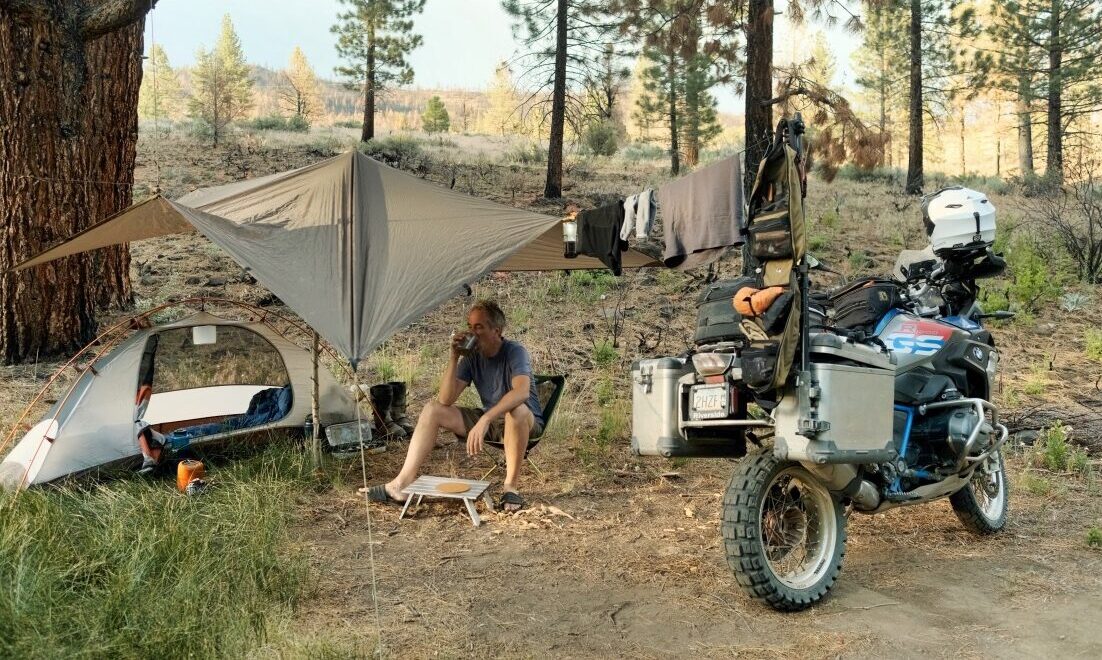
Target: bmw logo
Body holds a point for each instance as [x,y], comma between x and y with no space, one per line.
[977,352]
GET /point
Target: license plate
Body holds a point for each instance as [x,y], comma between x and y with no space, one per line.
[709,401]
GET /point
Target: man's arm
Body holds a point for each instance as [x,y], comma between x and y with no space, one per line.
[522,385]
[451,386]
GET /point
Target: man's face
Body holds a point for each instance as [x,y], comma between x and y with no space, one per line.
[479,325]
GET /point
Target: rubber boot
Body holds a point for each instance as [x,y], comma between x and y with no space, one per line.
[382,396]
[398,406]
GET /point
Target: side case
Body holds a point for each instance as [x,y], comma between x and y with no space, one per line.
[654,406]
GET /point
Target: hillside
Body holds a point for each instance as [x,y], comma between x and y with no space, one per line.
[620,555]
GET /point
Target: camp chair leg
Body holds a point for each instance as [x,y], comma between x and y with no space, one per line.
[489,472]
[471,510]
[535,468]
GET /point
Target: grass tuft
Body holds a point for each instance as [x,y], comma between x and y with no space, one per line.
[134,569]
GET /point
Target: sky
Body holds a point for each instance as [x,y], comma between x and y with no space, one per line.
[464,40]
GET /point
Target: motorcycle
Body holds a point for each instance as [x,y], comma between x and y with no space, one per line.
[888,405]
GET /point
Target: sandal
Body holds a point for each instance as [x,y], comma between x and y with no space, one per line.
[377,493]
[513,499]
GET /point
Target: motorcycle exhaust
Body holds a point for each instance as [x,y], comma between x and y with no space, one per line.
[845,479]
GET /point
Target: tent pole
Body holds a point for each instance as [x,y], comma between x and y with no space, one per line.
[315,408]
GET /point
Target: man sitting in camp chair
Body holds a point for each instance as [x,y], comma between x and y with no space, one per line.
[501,371]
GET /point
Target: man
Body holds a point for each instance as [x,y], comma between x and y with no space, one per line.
[501,371]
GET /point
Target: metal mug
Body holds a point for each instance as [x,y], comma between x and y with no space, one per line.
[468,344]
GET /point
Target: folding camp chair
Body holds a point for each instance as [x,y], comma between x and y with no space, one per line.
[548,391]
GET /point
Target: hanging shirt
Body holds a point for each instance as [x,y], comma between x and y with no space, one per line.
[599,234]
[703,214]
[639,214]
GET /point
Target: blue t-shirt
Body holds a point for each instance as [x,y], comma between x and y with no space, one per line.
[493,377]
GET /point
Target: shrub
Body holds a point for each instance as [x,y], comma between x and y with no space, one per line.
[1093,341]
[1033,281]
[637,151]
[527,154]
[886,175]
[295,123]
[605,354]
[1054,448]
[401,151]
[1074,301]
[1094,537]
[601,137]
[349,123]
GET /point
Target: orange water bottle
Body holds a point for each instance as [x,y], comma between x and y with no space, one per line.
[187,470]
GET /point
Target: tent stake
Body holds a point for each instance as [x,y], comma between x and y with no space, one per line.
[315,412]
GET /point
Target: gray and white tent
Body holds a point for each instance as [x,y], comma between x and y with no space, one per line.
[93,425]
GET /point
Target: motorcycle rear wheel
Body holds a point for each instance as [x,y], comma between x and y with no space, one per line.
[982,505]
[784,534]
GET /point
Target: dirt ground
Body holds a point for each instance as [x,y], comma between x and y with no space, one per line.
[632,565]
[613,559]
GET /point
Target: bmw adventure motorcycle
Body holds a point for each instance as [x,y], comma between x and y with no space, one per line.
[888,404]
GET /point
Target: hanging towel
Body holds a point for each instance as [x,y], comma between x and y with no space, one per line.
[639,213]
[703,214]
[599,234]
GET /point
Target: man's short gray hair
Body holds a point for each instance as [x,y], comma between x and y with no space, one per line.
[492,311]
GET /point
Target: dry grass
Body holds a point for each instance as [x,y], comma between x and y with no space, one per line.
[636,567]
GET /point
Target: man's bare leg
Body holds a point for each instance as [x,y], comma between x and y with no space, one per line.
[434,417]
[518,427]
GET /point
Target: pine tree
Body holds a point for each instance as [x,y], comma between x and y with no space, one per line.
[564,41]
[938,68]
[1049,49]
[823,63]
[435,118]
[374,37]
[300,94]
[881,67]
[502,116]
[161,96]
[692,47]
[221,88]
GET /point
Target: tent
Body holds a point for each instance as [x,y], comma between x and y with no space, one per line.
[356,248]
[93,425]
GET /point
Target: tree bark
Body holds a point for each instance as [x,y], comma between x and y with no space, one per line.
[552,188]
[1054,169]
[675,146]
[915,180]
[759,85]
[1025,128]
[368,131]
[69,80]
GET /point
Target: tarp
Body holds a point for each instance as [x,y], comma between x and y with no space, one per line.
[356,248]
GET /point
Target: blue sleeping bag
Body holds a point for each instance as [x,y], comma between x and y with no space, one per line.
[265,407]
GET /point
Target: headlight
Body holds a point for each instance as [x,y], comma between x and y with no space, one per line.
[712,364]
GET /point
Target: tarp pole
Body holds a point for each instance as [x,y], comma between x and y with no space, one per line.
[315,408]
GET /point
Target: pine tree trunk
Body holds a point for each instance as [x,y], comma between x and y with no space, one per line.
[69,79]
[1054,169]
[883,114]
[759,85]
[915,179]
[963,162]
[675,147]
[368,131]
[1025,128]
[552,189]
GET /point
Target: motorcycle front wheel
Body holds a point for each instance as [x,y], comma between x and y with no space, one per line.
[783,532]
[983,503]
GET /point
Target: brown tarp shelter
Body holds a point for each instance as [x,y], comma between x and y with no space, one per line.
[356,248]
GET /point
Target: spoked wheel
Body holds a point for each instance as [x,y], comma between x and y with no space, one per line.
[982,504]
[783,532]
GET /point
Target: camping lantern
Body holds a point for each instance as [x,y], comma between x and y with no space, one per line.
[570,237]
[204,334]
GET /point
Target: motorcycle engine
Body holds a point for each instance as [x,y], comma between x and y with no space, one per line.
[938,439]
